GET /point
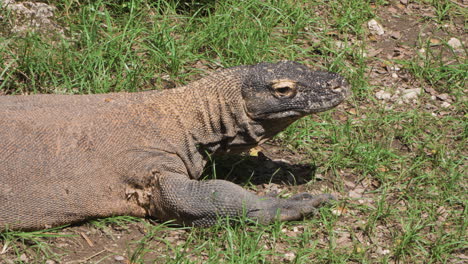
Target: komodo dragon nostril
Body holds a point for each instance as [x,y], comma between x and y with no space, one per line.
[337,89]
[335,86]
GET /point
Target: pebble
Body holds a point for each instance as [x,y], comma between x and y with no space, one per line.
[119,258]
[394,75]
[445,105]
[375,28]
[396,35]
[382,251]
[443,97]
[290,256]
[382,95]
[410,94]
[24,258]
[455,43]
[416,90]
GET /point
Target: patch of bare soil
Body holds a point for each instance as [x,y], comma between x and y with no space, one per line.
[409,33]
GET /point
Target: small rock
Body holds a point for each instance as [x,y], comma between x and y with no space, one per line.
[50,262]
[455,43]
[394,75]
[396,35]
[408,96]
[375,28]
[414,90]
[290,256]
[430,90]
[381,251]
[119,258]
[382,95]
[443,97]
[445,105]
[404,2]
[24,258]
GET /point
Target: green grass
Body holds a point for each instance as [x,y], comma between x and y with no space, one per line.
[31,243]
[411,161]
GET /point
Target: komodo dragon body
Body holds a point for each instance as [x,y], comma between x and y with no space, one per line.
[68,158]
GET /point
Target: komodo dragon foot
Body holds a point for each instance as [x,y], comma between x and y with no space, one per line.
[202,203]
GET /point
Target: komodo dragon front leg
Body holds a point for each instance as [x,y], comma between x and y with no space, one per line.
[201,203]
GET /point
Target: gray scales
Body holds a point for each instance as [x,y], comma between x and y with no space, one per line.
[69,158]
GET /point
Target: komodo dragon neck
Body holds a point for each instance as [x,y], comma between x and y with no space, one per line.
[208,116]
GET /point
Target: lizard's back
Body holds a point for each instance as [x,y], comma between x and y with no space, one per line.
[58,156]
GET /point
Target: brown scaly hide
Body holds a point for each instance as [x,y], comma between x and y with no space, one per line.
[68,158]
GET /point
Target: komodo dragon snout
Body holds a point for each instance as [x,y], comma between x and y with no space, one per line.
[69,158]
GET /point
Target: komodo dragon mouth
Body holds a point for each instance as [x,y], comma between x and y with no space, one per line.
[70,158]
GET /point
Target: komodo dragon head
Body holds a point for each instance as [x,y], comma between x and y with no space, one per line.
[277,94]
[289,90]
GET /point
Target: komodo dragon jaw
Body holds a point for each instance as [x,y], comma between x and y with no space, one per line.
[289,90]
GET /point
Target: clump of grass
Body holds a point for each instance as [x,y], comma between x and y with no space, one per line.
[443,68]
[31,244]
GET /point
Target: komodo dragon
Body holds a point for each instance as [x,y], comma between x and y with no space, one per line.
[68,158]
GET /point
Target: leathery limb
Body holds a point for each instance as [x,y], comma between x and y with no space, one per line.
[202,203]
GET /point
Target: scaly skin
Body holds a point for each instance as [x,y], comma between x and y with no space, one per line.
[69,158]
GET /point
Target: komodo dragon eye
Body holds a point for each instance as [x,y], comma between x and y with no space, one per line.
[284,88]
